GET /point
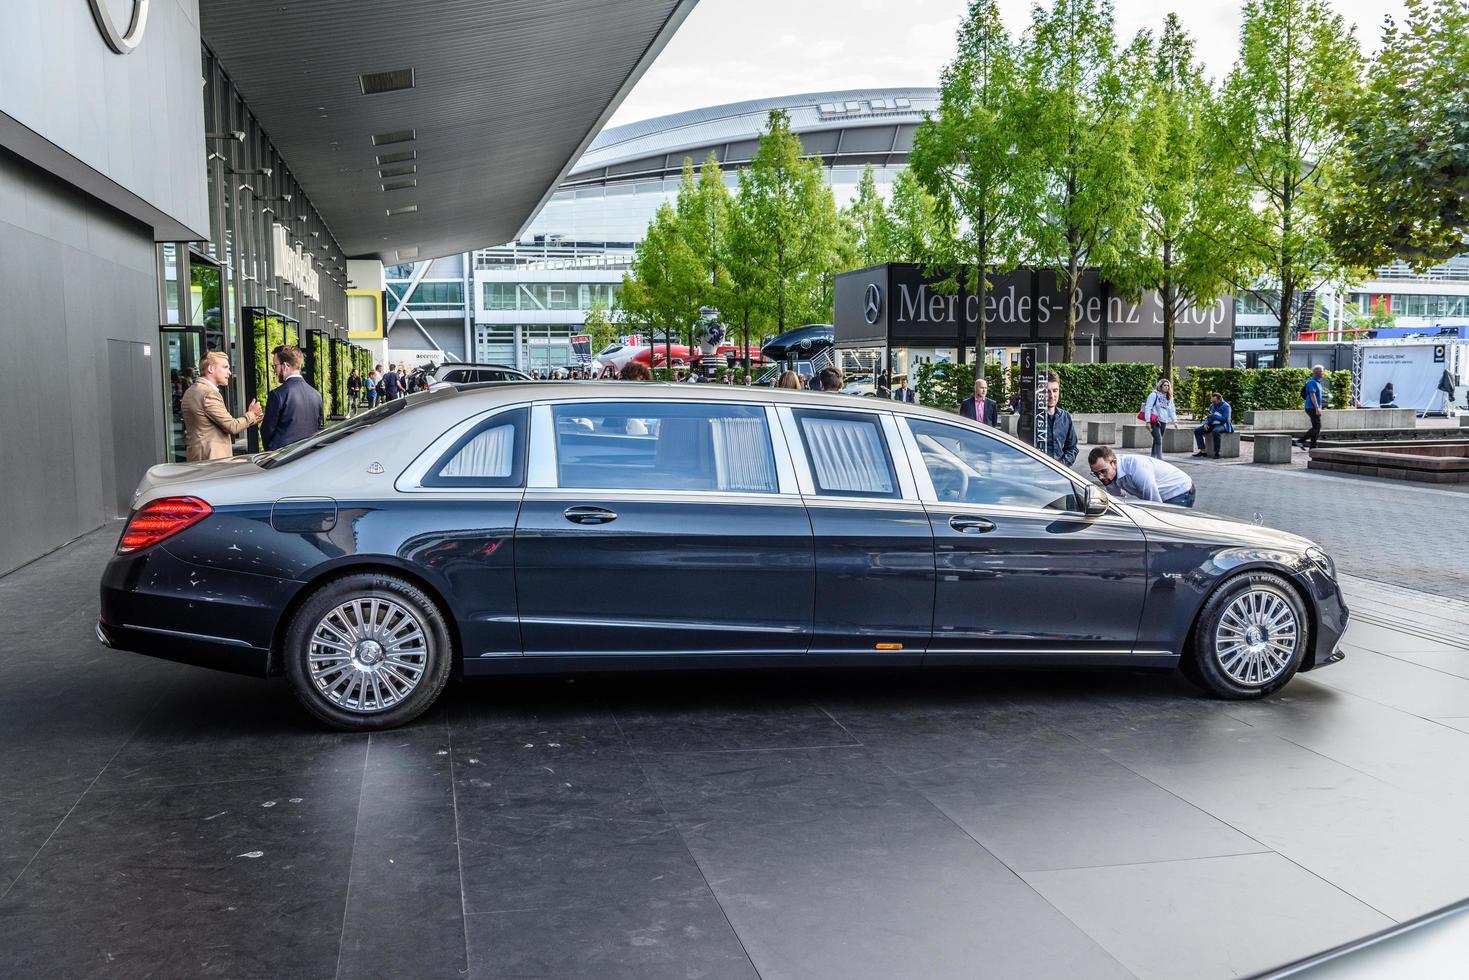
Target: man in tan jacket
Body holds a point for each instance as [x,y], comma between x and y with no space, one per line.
[209,431]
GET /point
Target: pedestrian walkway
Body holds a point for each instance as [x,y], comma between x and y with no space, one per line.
[160,820]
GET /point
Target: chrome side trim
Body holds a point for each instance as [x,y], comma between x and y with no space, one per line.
[662,624]
[579,494]
[1052,652]
[196,637]
[868,503]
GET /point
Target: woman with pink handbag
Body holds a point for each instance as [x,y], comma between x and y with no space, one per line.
[1159,413]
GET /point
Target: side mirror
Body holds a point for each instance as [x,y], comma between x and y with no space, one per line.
[1096,501]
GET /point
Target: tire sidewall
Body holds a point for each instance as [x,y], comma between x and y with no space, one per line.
[1205,667]
[297,646]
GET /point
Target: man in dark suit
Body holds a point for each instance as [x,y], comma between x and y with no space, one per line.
[981,407]
[293,410]
[903,393]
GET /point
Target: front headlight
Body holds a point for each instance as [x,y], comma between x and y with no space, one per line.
[1322,561]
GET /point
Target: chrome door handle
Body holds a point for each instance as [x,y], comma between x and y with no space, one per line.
[589,515]
[971,525]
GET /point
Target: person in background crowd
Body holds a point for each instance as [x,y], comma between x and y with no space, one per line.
[373,379]
[1387,399]
[293,410]
[789,379]
[209,429]
[636,371]
[1141,476]
[831,379]
[354,391]
[1313,398]
[980,407]
[1060,433]
[392,384]
[1219,421]
[1159,413]
[903,393]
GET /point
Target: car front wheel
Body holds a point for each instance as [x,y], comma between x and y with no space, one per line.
[367,652]
[1249,639]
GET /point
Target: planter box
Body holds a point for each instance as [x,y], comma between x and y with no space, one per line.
[1136,436]
[1272,449]
[1101,433]
[1334,419]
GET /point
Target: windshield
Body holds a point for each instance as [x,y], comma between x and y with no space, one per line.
[340,431]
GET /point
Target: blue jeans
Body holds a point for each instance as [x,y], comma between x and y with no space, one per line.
[1199,437]
[1182,500]
[1157,430]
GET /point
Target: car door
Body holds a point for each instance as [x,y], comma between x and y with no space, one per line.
[873,544]
[661,527]
[1022,570]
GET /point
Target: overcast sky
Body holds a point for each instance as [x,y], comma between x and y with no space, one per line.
[731,50]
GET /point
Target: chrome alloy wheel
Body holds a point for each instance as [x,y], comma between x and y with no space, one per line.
[1256,637]
[367,654]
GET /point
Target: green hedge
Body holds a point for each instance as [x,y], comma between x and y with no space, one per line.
[1109,388]
[1263,389]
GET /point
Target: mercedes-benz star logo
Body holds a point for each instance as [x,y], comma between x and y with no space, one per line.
[872,302]
[121,42]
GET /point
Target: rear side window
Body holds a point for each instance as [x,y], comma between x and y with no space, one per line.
[847,454]
[492,454]
[664,446]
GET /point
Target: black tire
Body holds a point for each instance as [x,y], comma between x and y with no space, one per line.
[402,703]
[1209,669]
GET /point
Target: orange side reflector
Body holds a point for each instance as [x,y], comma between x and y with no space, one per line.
[890,646]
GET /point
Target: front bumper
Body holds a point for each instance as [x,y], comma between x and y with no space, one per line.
[1331,619]
[156,604]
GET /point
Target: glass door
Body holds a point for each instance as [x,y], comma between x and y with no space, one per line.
[182,347]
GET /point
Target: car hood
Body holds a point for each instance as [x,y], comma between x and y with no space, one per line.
[1211,526]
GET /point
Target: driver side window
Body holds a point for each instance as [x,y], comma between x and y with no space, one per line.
[969,467]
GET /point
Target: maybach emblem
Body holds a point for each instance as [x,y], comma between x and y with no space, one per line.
[123,42]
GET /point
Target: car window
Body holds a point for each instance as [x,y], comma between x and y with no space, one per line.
[490,455]
[973,468]
[664,446]
[847,453]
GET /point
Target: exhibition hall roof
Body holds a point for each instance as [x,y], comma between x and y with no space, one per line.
[423,129]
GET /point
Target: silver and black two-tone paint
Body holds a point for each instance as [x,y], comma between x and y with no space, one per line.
[565,527]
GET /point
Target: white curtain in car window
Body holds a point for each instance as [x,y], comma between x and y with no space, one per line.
[742,460]
[847,455]
[486,455]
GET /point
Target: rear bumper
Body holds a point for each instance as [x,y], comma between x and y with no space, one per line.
[158,605]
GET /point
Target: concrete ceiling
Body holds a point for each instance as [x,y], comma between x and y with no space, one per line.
[506,96]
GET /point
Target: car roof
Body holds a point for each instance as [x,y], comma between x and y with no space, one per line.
[497,367]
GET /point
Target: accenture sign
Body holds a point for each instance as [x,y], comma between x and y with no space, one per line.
[293,264]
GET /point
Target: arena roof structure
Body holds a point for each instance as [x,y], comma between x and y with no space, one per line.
[419,130]
[856,126]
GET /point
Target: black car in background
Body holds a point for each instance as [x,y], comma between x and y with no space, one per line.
[559,527]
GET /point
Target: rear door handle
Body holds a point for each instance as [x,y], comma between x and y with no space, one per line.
[971,525]
[589,515]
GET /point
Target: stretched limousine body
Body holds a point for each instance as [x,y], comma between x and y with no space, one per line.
[564,527]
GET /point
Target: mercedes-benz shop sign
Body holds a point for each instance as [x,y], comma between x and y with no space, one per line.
[896,305]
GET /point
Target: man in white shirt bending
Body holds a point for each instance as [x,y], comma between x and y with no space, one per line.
[1142,477]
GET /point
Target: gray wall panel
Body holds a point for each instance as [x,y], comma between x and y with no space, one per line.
[74,274]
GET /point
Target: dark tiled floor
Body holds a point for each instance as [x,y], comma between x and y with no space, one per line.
[158,820]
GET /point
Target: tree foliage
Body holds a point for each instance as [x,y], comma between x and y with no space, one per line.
[1276,126]
[870,225]
[1185,246]
[1400,185]
[1074,109]
[969,159]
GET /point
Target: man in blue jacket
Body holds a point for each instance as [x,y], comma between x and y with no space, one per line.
[293,410]
[1060,433]
[1219,421]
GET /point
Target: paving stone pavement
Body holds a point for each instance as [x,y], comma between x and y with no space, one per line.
[1383,530]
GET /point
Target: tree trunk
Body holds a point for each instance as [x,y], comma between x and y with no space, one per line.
[747,341]
[1169,306]
[962,343]
[1282,346]
[1073,287]
[982,291]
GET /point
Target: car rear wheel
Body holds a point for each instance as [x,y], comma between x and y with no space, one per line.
[1249,639]
[367,652]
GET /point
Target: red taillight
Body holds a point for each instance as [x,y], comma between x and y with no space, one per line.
[160,519]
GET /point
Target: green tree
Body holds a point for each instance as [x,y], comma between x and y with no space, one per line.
[968,158]
[872,228]
[600,326]
[664,288]
[789,224]
[703,219]
[1277,128]
[1185,246]
[1400,186]
[914,221]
